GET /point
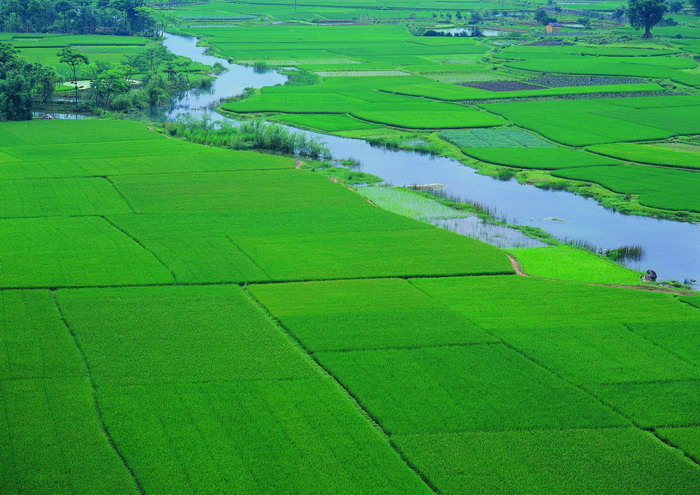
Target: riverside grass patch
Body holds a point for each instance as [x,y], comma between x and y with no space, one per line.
[409,204]
[483,387]
[364,314]
[607,120]
[186,371]
[574,461]
[574,264]
[656,187]
[653,154]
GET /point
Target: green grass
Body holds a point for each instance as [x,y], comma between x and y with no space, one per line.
[570,263]
[679,336]
[392,253]
[253,436]
[655,404]
[59,197]
[51,440]
[326,122]
[361,314]
[687,439]
[656,187]
[225,329]
[408,203]
[535,303]
[614,461]
[70,251]
[122,333]
[494,138]
[588,122]
[649,153]
[482,387]
[538,158]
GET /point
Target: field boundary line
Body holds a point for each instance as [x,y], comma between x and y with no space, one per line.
[670,351]
[349,395]
[580,387]
[9,179]
[252,260]
[143,246]
[98,411]
[406,348]
[243,283]
[120,193]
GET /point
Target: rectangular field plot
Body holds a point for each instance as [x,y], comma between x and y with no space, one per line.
[34,341]
[47,132]
[505,303]
[655,404]
[283,437]
[177,334]
[221,192]
[587,122]
[373,254]
[60,197]
[680,337]
[101,150]
[364,314]
[542,158]
[206,159]
[326,122]
[597,353]
[612,461]
[51,441]
[656,186]
[651,154]
[476,387]
[574,264]
[495,138]
[73,251]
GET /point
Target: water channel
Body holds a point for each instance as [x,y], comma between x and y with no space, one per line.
[671,248]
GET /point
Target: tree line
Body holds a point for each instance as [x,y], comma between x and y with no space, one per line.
[124,17]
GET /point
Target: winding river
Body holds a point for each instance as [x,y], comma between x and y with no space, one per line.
[671,248]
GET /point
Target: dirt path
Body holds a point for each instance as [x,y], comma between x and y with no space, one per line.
[516,266]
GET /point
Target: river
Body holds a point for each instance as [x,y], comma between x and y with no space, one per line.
[671,248]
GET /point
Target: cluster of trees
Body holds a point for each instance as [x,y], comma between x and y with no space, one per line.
[21,84]
[111,86]
[82,16]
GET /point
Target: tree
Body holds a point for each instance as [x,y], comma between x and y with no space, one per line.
[619,13]
[543,18]
[15,96]
[16,83]
[45,82]
[696,5]
[645,14]
[675,6]
[475,18]
[74,60]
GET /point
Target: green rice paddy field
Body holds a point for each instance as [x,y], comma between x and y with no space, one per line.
[183,319]
[605,107]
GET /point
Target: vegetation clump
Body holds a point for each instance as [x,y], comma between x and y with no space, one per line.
[250,134]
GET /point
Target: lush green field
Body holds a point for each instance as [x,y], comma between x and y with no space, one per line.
[570,263]
[654,154]
[655,186]
[178,318]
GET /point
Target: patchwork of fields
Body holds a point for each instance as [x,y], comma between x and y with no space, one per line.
[183,319]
